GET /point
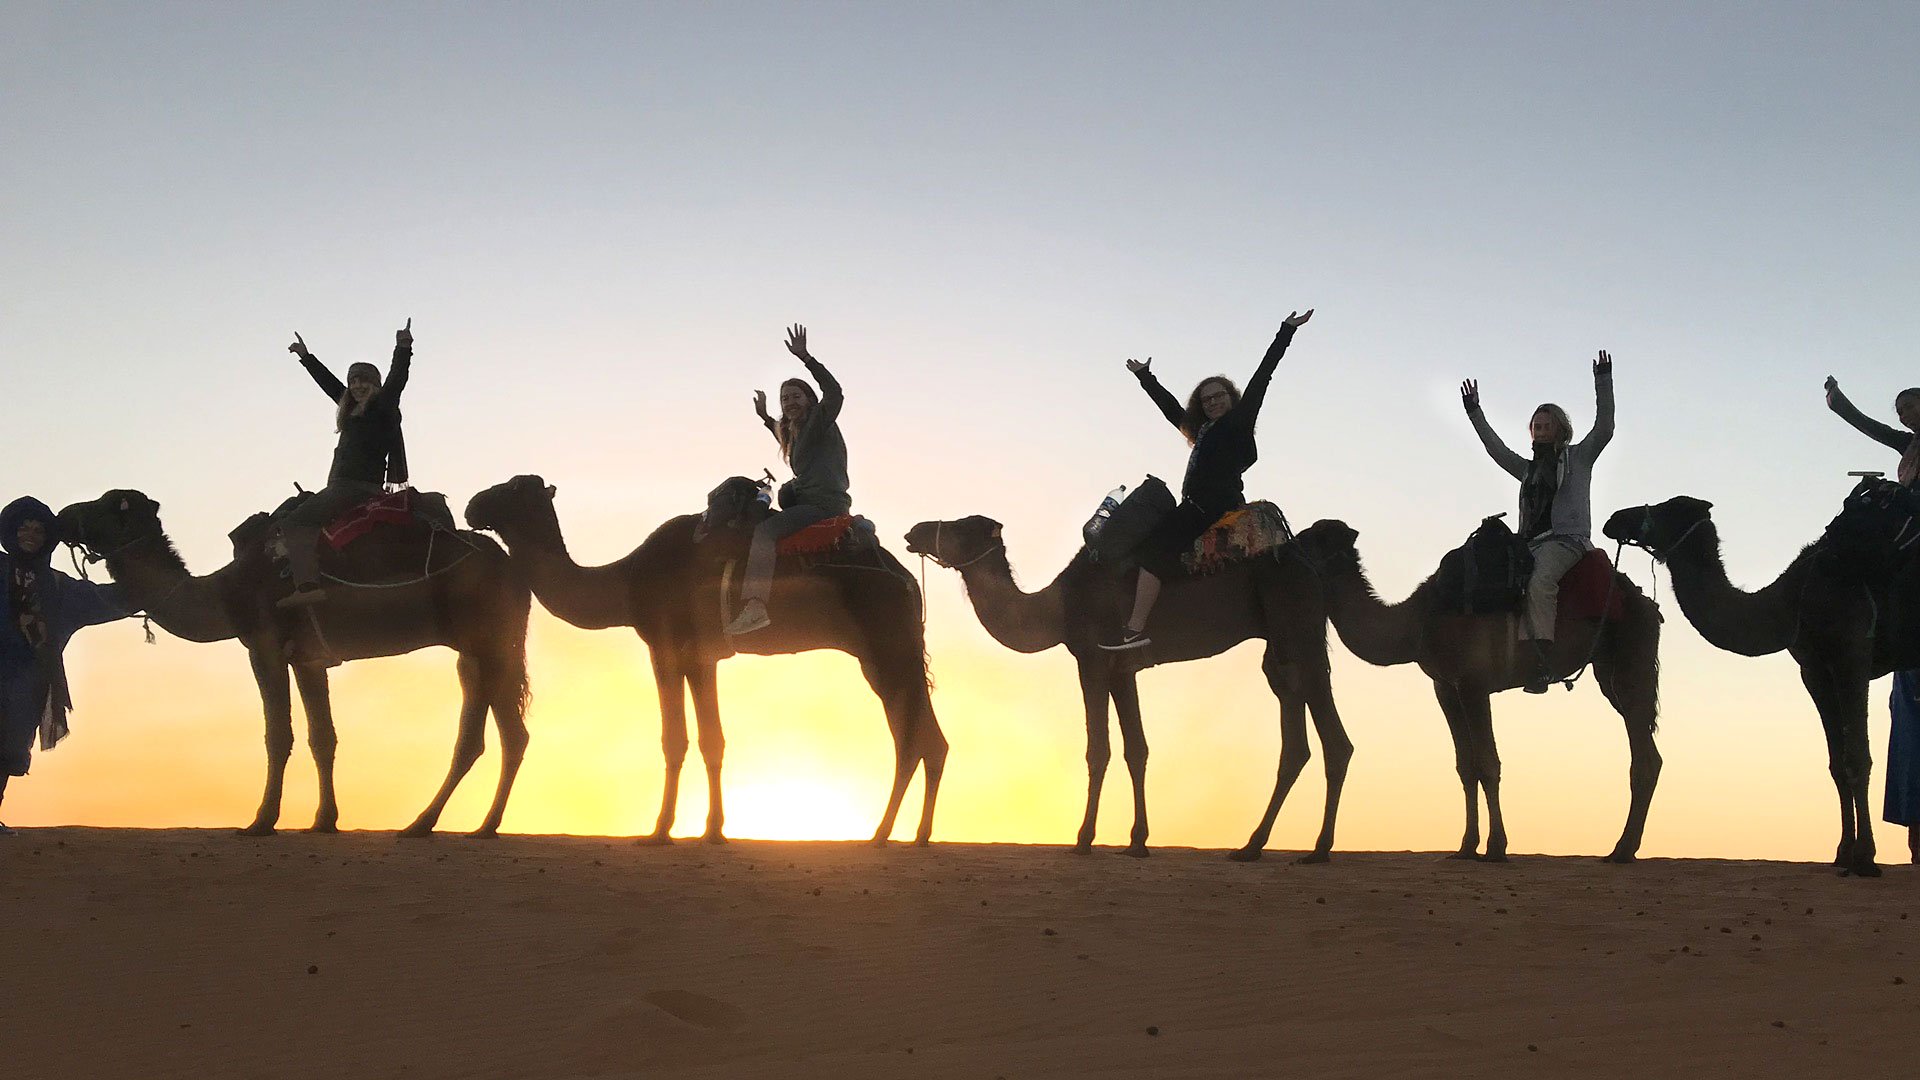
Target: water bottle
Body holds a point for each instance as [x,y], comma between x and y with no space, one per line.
[1101,516]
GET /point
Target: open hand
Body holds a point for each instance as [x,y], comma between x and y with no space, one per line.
[1139,366]
[797,341]
[1298,318]
[1833,388]
[1470,395]
[403,337]
[1603,363]
[299,347]
[760,404]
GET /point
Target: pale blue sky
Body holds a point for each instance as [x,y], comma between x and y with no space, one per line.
[600,217]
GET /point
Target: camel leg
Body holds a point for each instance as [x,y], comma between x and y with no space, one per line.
[1338,749]
[1856,759]
[1478,708]
[1629,687]
[1133,747]
[468,744]
[1294,752]
[1463,763]
[890,685]
[933,760]
[704,681]
[1820,687]
[507,683]
[322,739]
[670,682]
[276,700]
[1093,694]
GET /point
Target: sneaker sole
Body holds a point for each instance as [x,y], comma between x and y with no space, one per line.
[1139,643]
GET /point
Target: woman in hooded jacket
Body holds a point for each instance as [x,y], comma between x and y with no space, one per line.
[1556,496]
[40,611]
[371,453]
[1902,805]
[808,432]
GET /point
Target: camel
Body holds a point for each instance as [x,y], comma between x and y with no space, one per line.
[1472,657]
[1274,597]
[471,601]
[1818,611]
[668,591]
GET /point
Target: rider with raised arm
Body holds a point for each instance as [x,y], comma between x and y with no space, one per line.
[808,431]
[1556,506]
[1906,405]
[371,453]
[1217,422]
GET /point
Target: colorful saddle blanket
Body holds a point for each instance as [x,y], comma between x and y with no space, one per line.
[1255,529]
[818,538]
[1585,589]
[403,507]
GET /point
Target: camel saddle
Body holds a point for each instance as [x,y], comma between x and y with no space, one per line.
[1488,575]
[405,509]
[1257,528]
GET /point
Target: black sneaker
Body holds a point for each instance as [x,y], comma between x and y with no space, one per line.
[1538,684]
[1127,639]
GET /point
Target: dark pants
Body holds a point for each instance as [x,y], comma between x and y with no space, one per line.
[1160,552]
[766,538]
[1902,805]
[23,698]
[300,529]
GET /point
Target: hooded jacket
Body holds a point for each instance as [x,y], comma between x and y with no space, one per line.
[65,606]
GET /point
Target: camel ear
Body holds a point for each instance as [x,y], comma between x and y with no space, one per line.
[996,532]
[124,507]
[552,491]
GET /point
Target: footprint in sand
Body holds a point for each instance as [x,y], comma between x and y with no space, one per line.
[698,1009]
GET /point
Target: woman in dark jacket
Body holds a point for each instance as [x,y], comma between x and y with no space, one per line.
[371,453]
[808,432]
[40,611]
[1902,805]
[1218,424]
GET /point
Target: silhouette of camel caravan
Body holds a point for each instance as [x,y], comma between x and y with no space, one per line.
[399,587]
[841,593]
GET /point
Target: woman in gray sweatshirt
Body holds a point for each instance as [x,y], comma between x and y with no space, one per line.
[1556,485]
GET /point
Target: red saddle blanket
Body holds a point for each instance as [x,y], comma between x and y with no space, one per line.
[393,508]
[1584,589]
[818,538]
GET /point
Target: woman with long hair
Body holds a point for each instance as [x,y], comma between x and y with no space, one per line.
[808,431]
[1556,504]
[371,453]
[1902,805]
[1217,422]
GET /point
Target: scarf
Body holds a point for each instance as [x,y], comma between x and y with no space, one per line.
[1538,490]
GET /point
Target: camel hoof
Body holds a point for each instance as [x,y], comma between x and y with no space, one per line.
[1621,857]
[491,832]
[1494,856]
[714,838]
[658,839]
[1245,854]
[1862,868]
[1135,851]
[923,841]
[1314,858]
[1464,855]
[877,842]
[327,829]
[417,831]
[1081,849]
[256,829]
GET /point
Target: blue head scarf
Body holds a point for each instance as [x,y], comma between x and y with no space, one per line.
[18,513]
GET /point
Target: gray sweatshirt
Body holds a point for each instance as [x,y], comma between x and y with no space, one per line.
[1573,503]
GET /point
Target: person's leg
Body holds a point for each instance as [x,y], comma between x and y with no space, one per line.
[1551,561]
[1902,805]
[1159,557]
[758,585]
[1144,595]
[300,533]
[17,729]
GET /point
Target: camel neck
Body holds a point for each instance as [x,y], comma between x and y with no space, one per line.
[590,597]
[156,581]
[1730,618]
[1377,632]
[1024,622]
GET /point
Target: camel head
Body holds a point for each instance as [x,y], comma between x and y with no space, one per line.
[1659,528]
[111,523]
[1330,545]
[519,501]
[955,544]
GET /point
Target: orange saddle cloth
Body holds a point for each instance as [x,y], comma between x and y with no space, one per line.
[818,538]
[1254,529]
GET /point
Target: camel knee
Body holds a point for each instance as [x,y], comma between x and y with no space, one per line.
[673,743]
[713,745]
[1136,758]
[1292,761]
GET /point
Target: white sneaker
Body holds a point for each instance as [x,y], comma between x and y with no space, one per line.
[752,617]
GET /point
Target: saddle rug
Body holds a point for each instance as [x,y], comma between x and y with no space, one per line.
[1255,529]
[818,538]
[1585,588]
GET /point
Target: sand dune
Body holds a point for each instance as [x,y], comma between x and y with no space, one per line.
[198,954]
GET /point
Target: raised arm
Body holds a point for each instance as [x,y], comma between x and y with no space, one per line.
[329,385]
[1169,405]
[1514,464]
[1884,434]
[1256,392]
[831,397]
[760,410]
[402,366]
[1602,432]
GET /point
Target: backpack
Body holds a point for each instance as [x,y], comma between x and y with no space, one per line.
[1494,565]
[1114,532]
